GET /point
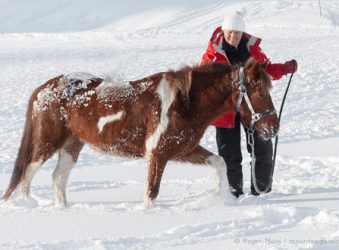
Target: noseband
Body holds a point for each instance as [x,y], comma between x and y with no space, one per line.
[243,95]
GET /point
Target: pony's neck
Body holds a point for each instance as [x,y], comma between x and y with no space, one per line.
[212,93]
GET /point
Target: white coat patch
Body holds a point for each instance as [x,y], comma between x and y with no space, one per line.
[166,96]
[107,119]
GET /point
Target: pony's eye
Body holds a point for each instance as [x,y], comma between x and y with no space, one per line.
[256,84]
[262,95]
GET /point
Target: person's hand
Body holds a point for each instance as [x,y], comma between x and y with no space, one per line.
[290,66]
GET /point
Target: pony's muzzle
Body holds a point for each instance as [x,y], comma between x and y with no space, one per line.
[275,131]
[267,133]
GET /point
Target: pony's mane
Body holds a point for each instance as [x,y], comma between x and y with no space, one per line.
[181,80]
[212,68]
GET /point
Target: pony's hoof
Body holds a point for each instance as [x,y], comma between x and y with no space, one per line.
[60,205]
[148,203]
[2,202]
[26,201]
[217,192]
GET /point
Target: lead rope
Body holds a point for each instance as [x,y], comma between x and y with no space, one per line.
[251,143]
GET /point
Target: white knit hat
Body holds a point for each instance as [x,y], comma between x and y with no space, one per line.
[234,21]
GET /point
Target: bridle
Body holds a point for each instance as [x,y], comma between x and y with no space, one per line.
[243,95]
[250,129]
[254,118]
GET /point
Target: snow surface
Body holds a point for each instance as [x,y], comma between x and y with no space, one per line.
[40,39]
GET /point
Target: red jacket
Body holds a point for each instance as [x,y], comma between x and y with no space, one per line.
[215,53]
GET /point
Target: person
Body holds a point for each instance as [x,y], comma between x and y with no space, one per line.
[230,44]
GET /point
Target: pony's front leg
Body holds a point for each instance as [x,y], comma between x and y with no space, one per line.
[201,155]
[156,168]
[222,187]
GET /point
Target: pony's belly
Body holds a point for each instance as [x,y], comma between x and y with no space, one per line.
[119,149]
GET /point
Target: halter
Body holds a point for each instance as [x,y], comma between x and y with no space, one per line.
[243,94]
[254,118]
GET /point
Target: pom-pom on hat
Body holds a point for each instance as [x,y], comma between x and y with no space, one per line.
[234,21]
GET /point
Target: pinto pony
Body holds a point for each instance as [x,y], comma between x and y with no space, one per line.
[161,117]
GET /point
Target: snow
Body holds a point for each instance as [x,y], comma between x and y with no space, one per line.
[41,39]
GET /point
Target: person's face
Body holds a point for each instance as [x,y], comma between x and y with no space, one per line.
[232,37]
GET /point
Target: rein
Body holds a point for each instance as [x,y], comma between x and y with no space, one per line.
[279,118]
[254,118]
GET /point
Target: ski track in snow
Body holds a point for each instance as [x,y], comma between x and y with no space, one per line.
[105,193]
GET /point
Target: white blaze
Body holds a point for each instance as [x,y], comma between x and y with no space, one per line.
[107,119]
[166,96]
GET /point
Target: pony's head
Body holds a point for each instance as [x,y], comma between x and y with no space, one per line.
[254,101]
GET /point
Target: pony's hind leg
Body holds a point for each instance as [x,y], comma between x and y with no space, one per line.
[202,156]
[41,153]
[68,156]
[25,184]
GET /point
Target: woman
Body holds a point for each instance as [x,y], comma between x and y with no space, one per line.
[230,44]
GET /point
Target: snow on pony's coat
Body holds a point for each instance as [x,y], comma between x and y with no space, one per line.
[162,117]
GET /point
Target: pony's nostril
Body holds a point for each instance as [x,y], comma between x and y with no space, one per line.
[269,133]
[266,133]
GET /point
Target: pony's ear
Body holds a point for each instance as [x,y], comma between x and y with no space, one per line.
[253,71]
[249,63]
[256,71]
[264,65]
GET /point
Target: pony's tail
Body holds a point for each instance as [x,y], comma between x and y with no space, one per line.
[24,156]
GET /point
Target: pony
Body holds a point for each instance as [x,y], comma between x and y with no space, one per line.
[160,117]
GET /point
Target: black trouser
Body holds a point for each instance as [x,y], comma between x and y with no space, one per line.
[228,142]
